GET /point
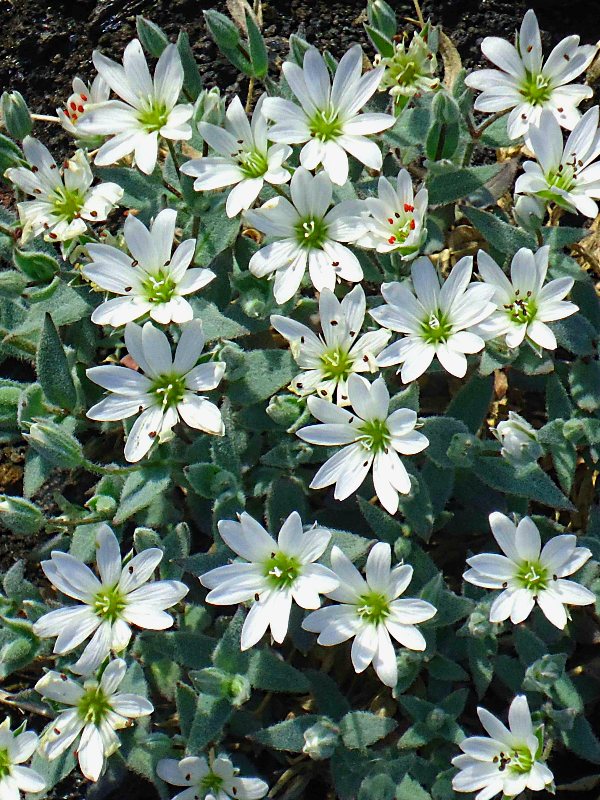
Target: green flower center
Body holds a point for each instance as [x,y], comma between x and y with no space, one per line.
[211,783]
[373,607]
[253,163]
[562,178]
[401,225]
[519,760]
[5,764]
[282,570]
[536,89]
[154,116]
[159,288]
[436,328]
[109,604]
[533,576]
[94,706]
[336,364]
[375,435]
[325,125]
[311,233]
[522,309]
[170,390]
[67,203]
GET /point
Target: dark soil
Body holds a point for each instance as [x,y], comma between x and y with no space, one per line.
[44,44]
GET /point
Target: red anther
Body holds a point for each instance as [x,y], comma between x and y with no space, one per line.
[83,97]
[80,109]
[392,239]
[408,207]
[66,111]
[73,105]
[412,225]
[390,220]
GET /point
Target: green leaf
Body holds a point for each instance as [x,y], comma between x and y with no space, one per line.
[212,713]
[384,526]
[272,674]
[439,431]
[256,44]
[482,653]
[192,82]
[584,379]
[582,740]
[264,373]
[37,266]
[287,735]
[471,403]
[530,481]
[502,236]
[360,729]
[216,324]
[53,368]
[285,495]
[193,650]
[456,183]
[380,41]
[227,38]
[153,38]
[410,789]
[140,490]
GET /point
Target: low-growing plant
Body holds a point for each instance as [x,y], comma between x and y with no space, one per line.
[302,387]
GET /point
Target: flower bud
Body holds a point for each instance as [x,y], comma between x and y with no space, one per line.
[210,107]
[321,740]
[518,439]
[254,304]
[20,515]
[529,212]
[15,114]
[213,681]
[543,673]
[55,445]
[286,409]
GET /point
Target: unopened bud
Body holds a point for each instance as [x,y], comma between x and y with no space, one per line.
[55,445]
[15,114]
[20,515]
[321,740]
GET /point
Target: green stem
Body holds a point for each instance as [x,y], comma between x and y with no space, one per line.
[7,231]
[171,147]
[100,469]
[195,227]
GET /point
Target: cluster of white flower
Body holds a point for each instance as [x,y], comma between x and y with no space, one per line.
[438,315]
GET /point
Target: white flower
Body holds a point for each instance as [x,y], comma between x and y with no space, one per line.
[371,438]
[410,71]
[16,747]
[518,439]
[82,99]
[244,158]
[330,359]
[65,200]
[216,779]
[108,605]
[165,393]
[397,218]
[307,233]
[436,321]
[369,611]
[273,574]
[328,118]
[527,85]
[523,303]
[566,175]
[508,762]
[529,574]
[155,282]
[148,107]
[98,711]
